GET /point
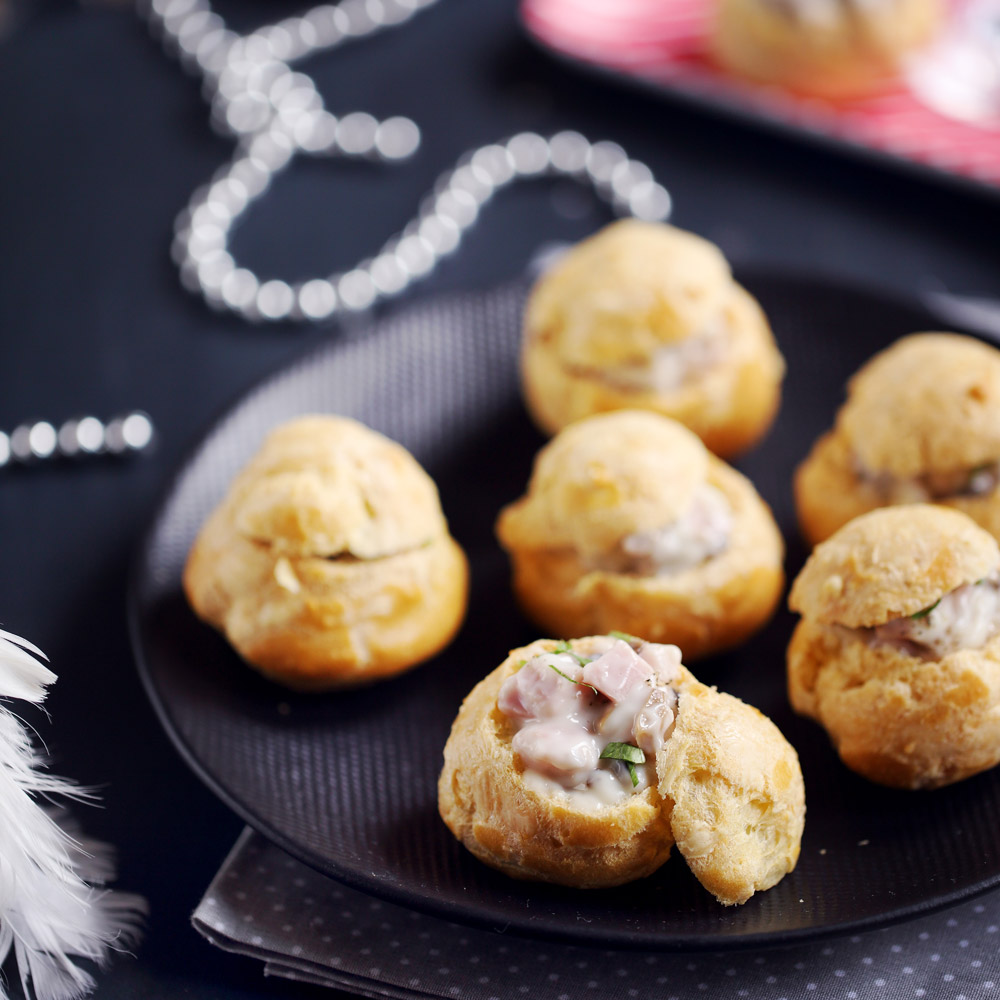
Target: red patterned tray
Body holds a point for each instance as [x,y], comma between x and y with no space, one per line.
[943,113]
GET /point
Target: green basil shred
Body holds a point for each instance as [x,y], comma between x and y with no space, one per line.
[624,636]
[926,611]
[565,647]
[572,680]
[629,754]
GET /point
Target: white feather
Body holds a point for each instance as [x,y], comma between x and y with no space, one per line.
[54,911]
[21,675]
[16,639]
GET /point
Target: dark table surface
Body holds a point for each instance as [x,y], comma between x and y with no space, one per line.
[102,139]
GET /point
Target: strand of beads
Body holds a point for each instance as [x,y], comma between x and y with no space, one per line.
[276,114]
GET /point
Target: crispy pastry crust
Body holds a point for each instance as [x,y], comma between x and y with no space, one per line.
[617,298]
[896,719]
[891,563]
[709,607]
[328,563]
[738,794]
[855,53]
[828,491]
[605,477]
[926,405]
[729,791]
[627,290]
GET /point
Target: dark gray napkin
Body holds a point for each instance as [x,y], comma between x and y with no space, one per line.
[306,927]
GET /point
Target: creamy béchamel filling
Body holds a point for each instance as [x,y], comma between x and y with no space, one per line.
[980,480]
[703,531]
[965,618]
[589,726]
[668,367]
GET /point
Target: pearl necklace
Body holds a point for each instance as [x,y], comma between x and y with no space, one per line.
[276,114]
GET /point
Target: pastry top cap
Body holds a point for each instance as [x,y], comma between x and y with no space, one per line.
[329,486]
[632,288]
[928,403]
[892,562]
[737,792]
[605,477]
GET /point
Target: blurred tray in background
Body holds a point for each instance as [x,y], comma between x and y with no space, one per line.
[662,45]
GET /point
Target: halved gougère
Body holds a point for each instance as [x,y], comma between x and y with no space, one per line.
[584,762]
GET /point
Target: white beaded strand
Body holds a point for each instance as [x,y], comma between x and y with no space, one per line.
[38,440]
[276,113]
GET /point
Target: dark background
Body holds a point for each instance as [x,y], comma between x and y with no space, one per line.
[102,139]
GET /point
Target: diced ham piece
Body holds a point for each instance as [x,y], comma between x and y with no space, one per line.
[536,691]
[665,661]
[509,699]
[558,748]
[616,672]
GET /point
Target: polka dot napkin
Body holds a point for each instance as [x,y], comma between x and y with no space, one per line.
[304,926]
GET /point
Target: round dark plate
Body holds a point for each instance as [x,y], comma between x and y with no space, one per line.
[347,782]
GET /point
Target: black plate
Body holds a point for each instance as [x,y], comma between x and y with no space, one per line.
[346,782]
